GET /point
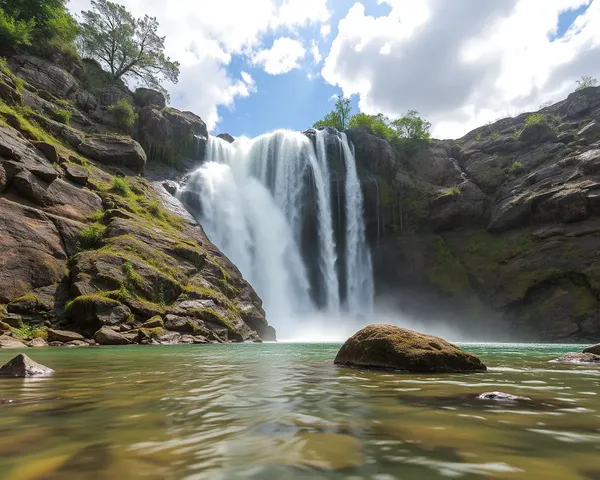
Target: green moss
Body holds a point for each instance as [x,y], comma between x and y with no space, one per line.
[61,115]
[120,187]
[85,303]
[450,192]
[134,280]
[91,237]
[487,251]
[7,71]
[29,297]
[447,272]
[155,332]
[514,167]
[523,283]
[535,118]
[96,216]
[386,191]
[209,314]
[585,302]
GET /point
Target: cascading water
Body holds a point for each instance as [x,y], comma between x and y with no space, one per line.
[257,198]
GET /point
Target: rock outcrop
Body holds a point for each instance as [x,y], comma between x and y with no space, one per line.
[391,347]
[500,225]
[93,252]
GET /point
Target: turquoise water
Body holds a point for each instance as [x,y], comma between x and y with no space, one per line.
[284,411]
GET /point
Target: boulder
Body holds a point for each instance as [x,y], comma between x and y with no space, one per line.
[63,336]
[76,173]
[595,349]
[154,322]
[537,133]
[48,150]
[114,150]
[7,341]
[23,366]
[225,136]
[391,347]
[97,311]
[170,135]
[17,154]
[12,320]
[584,358]
[107,336]
[38,343]
[590,132]
[146,97]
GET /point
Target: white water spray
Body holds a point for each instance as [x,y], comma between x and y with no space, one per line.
[254,198]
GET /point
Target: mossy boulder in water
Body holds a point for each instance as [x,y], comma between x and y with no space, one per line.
[388,346]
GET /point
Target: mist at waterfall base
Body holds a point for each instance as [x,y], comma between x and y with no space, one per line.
[287,210]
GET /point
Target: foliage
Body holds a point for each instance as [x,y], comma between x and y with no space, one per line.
[379,125]
[339,117]
[61,115]
[413,127]
[29,331]
[586,81]
[91,237]
[129,47]
[534,119]
[37,23]
[134,279]
[124,114]
[120,187]
[13,31]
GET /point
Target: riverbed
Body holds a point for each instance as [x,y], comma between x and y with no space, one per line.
[284,411]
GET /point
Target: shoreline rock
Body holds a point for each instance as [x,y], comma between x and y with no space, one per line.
[578,358]
[395,348]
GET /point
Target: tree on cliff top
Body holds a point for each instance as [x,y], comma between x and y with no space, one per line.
[129,47]
[339,117]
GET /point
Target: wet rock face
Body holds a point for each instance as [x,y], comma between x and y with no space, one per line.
[23,366]
[388,346]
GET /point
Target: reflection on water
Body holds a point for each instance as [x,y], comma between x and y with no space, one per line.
[279,411]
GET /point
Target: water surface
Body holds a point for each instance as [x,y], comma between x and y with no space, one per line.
[283,411]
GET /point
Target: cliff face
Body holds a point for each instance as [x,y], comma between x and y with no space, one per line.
[497,232]
[88,243]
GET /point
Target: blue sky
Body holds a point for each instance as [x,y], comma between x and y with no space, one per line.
[459,63]
[294,101]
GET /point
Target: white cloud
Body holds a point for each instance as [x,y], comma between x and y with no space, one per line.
[464,63]
[316,54]
[204,34]
[325,30]
[284,56]
[247,78]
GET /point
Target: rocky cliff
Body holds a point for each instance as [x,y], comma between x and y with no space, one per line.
[90,245]
[497,232]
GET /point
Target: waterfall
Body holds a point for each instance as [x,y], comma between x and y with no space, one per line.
[267,204]
[359,271]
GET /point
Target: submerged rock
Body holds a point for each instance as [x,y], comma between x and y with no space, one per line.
[502,397]
[585,358]
[23,366]
[595,349]
[388,346]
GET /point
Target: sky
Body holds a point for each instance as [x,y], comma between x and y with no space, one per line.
[249,67]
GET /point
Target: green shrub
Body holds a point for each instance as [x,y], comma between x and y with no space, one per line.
[61,115]
[134,279]
[120,187]
[535,118]
[29,331]
[91,237]
[15,32]
[124,114]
